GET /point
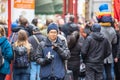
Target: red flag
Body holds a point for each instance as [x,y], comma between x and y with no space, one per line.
[117,9]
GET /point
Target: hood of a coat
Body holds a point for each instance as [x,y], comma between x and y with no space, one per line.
[97,36]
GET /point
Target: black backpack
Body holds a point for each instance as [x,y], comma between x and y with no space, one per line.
[21,59]
[1,58]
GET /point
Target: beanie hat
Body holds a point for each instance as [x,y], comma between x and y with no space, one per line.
[96,27]
[52,26]
[103,8]
[14,24]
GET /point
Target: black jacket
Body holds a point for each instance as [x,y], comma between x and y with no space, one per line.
[53,67]
[95,48]
[68,28]
[35,44]
[74,61]
[28,29]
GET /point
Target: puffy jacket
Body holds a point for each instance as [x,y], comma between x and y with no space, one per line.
[7,53]
[56,68]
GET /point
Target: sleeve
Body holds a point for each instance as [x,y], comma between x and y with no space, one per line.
[108,50]
[8,52]
[85,48]
[114,41]
[118,49]
[43,61]
[63,51]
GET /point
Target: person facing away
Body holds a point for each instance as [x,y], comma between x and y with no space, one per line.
[7,53]
[51,54]
[70,26]
[95,49]
[35,39]
[74,46]
[21,63]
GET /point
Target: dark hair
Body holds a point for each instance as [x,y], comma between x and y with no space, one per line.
[73,39]
[71,18]
[35,21]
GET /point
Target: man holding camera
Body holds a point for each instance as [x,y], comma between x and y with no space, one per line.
[51,54]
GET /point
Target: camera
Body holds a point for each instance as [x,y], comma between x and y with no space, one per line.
[49,56]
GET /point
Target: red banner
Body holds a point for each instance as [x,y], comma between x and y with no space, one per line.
[117,9]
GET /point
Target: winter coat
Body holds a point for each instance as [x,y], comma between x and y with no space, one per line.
[27,29]
[74,61]
[110,34]
[56,68]
[7,53]
[35,44]
[68,28]
[95,49]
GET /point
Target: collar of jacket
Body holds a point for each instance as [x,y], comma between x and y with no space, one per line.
[49,43]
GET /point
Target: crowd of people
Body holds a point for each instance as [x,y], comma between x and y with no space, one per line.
[39,51]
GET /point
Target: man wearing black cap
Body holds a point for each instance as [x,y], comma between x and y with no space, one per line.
[95,49]
[51,55]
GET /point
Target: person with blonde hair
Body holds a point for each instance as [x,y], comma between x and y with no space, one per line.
[7,54]
[21,64]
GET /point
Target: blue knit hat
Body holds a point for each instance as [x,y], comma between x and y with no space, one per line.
[103,8]
[14,24]
[52,26]
[96,27]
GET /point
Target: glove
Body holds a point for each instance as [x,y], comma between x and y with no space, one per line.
[55,46]
[48,60]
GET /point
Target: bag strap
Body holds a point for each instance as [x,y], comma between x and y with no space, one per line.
[81,59]
[36,39]
[12,38]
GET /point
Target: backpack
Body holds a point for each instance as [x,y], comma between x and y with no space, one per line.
[1,58]
[21,59]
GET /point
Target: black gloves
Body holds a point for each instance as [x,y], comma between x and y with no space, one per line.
[48,60]
[55,46]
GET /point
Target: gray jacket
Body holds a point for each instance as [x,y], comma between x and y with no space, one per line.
[110,34]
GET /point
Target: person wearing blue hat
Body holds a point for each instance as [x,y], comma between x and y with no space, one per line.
[14,24]
[95,49]
[51,54]
[105,14]
[108,31]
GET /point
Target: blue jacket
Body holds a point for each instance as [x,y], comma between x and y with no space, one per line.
[7,53]
[56,68]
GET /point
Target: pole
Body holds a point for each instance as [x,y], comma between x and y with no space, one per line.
[9,18]
[8,77]
[64,8]
[70,6]
[75,9]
